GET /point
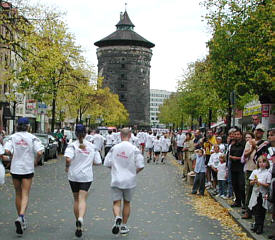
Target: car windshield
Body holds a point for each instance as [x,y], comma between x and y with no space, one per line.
[43,138]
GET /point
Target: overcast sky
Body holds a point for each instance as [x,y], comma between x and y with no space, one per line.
[174,26]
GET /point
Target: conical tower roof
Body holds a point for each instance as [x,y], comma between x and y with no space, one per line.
[124,35]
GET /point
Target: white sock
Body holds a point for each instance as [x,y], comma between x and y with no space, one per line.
[80,219]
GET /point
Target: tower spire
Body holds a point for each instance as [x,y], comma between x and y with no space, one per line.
[126,7]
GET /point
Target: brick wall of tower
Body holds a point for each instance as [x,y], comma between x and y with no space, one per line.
[126,71]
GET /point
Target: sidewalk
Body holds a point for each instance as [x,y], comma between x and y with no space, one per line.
[245,224]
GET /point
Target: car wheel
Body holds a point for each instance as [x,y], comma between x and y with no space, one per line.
[42,160]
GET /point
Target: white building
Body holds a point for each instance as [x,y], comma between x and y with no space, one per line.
[157,98]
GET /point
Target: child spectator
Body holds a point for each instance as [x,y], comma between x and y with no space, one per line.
[222,174]
[200,169]
[260,179]
[213,164]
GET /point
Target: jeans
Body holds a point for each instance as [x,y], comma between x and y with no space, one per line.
[222,187]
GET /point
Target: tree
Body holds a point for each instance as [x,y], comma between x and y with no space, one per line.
[240,50]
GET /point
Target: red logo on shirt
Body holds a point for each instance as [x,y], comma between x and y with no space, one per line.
[122,155]
[84,151]
[22,143]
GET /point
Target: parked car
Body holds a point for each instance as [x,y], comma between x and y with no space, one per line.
[51,147]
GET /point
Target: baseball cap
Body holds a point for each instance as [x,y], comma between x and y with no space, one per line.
[260,127]
[23,121]
[79,128]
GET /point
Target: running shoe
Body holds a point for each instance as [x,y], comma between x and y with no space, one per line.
[19,226]
[124,229]
[78,231]
[117,223]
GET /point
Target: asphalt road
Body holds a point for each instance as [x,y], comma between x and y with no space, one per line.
[161,207]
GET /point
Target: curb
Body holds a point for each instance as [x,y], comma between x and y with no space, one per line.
[237,217]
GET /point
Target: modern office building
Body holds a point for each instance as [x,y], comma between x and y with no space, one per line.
[157,98]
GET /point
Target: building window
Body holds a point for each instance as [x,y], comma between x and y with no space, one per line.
[123,66]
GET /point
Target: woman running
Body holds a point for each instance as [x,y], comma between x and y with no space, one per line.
[25,150]
[80,158]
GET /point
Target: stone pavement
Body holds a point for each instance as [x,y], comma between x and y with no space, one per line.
[162,208]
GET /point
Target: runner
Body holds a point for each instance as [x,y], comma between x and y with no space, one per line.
[165,145]
[157,149]
[109,142]
[80,158]
[149,145]
[26,151]
[142,136]
[125,161]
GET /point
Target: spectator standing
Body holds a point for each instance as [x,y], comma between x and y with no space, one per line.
[125,161]
[222,175]
[188,150]
[238,178]
[260,179]
[249,167]
[213,164]
[200,169]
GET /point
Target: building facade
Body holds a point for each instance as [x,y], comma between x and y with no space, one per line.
[157,98]
[124,63]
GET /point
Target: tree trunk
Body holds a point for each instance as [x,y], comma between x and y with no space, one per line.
[229,115]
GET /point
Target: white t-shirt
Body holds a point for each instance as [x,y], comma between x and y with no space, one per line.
[117,138]
[81,167]
[124,160]
[214,160]
[2,150]
[180,140]
[221,146]
[109,140]
[24,147]
[149,141]
[98,141]
[157,145]
[141,137]
[221,171]
[134,140]
[90,138]
[165,144]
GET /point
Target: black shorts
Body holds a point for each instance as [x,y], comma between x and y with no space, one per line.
[157,153]
[179,149]
[77,186]
[207,158]
[21,176]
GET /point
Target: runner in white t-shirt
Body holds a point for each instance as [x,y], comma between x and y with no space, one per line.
[149,145]
[26,151]
[125,161]
[109,142]
[165,145]
[157,149]
[80,158]
[142,138]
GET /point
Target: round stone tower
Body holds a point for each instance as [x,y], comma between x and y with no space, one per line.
[124,63]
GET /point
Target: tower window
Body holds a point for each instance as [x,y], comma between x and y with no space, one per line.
[123,66]
[123,76]
[122,97]
[122,86]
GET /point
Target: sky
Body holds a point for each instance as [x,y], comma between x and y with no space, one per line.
[174,26]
